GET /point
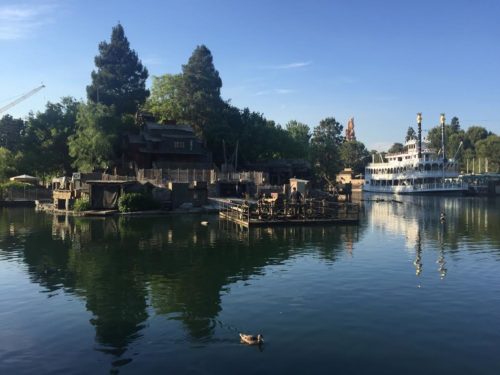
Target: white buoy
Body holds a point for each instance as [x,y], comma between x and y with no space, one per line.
[204,223]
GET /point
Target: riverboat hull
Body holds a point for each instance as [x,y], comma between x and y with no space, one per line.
[418,189]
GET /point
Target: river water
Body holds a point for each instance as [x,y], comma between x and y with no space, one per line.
[402,293]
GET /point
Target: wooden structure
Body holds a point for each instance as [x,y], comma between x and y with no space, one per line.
[276,211]
[165,146]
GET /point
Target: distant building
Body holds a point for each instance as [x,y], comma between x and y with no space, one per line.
[164,146]
[350,135]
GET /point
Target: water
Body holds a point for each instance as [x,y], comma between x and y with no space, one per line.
[402,293]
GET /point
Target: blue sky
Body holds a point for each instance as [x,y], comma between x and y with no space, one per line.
[379,61]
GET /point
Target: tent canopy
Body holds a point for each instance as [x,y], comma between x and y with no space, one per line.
[24,178]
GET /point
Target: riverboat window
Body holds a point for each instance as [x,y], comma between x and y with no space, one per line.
[178,144]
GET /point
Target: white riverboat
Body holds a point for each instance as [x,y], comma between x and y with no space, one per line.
[416,170]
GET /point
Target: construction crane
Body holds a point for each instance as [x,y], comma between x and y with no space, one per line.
[21,98]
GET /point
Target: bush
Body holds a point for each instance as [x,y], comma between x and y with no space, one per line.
[130,202]
[16,185]
[82,204]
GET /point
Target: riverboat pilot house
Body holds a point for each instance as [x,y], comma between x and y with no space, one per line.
[164,146]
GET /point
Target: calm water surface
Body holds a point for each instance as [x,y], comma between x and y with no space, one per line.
[400,294]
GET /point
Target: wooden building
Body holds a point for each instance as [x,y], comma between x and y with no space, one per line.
[164,146]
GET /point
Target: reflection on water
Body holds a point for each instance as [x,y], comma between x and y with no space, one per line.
[122,266]
[468,221]
[130,272]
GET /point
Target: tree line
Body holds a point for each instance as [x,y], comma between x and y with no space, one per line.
[87,135]
[464,146]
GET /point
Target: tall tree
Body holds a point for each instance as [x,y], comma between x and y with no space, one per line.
[120,79]
[47,134]
[325,148]
[354,155]
[300,135]
[92,147]
[200,92]
[489,148]
[455,124]
[475,134]
[410,134]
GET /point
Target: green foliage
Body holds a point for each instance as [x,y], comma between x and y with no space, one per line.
[300,134]
[199,92]
[120,79]
[82,204]
[11,131]
[410,134]
[130,202]
[455,124]
[165,102]
[489,148]
[474,134]
[354,155]
[471,138]
[7,163]
[47,134]
[16,185]
[97,131]
[395,148]
[325,148]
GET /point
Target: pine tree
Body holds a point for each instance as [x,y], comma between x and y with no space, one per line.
[120,79]
[200,91]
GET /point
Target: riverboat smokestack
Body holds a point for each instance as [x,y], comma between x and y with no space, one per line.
[419,123]
[443,119]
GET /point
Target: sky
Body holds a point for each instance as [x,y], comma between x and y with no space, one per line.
[380,62]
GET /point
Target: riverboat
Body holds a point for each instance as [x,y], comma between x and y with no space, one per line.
[418,169]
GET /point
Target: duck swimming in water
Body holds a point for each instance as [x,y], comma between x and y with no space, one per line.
[442,217]
[251,339]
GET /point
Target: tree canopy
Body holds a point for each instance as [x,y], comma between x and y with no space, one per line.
[199,91]
[92,147]
[396,147]
[354,155]
[325,148]
[120,79]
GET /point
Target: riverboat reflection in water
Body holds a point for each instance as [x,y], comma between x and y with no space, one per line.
[168,294]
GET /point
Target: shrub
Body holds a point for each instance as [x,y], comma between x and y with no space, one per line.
[82,204]
[16,185]
[130,202]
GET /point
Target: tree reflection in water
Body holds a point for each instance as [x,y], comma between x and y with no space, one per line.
[127,269]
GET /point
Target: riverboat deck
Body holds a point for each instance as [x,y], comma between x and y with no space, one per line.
[272,213]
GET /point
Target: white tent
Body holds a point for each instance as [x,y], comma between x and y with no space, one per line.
[25,178]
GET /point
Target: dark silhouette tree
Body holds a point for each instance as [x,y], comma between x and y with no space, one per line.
[120,79]
[199,93]
[396,147]
[325,148]
[410,134]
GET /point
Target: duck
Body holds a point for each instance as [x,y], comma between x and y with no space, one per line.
[442,217]
[251,339]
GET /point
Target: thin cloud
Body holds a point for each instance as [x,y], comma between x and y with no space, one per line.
[275,91]
[22,20]
[294,65]
[152,61]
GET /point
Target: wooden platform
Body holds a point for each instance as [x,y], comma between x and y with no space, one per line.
[310,213]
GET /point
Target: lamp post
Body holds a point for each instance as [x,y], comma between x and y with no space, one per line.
[419,127]
[443,119]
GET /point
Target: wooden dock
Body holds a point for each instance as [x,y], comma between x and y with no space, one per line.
[270,213]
